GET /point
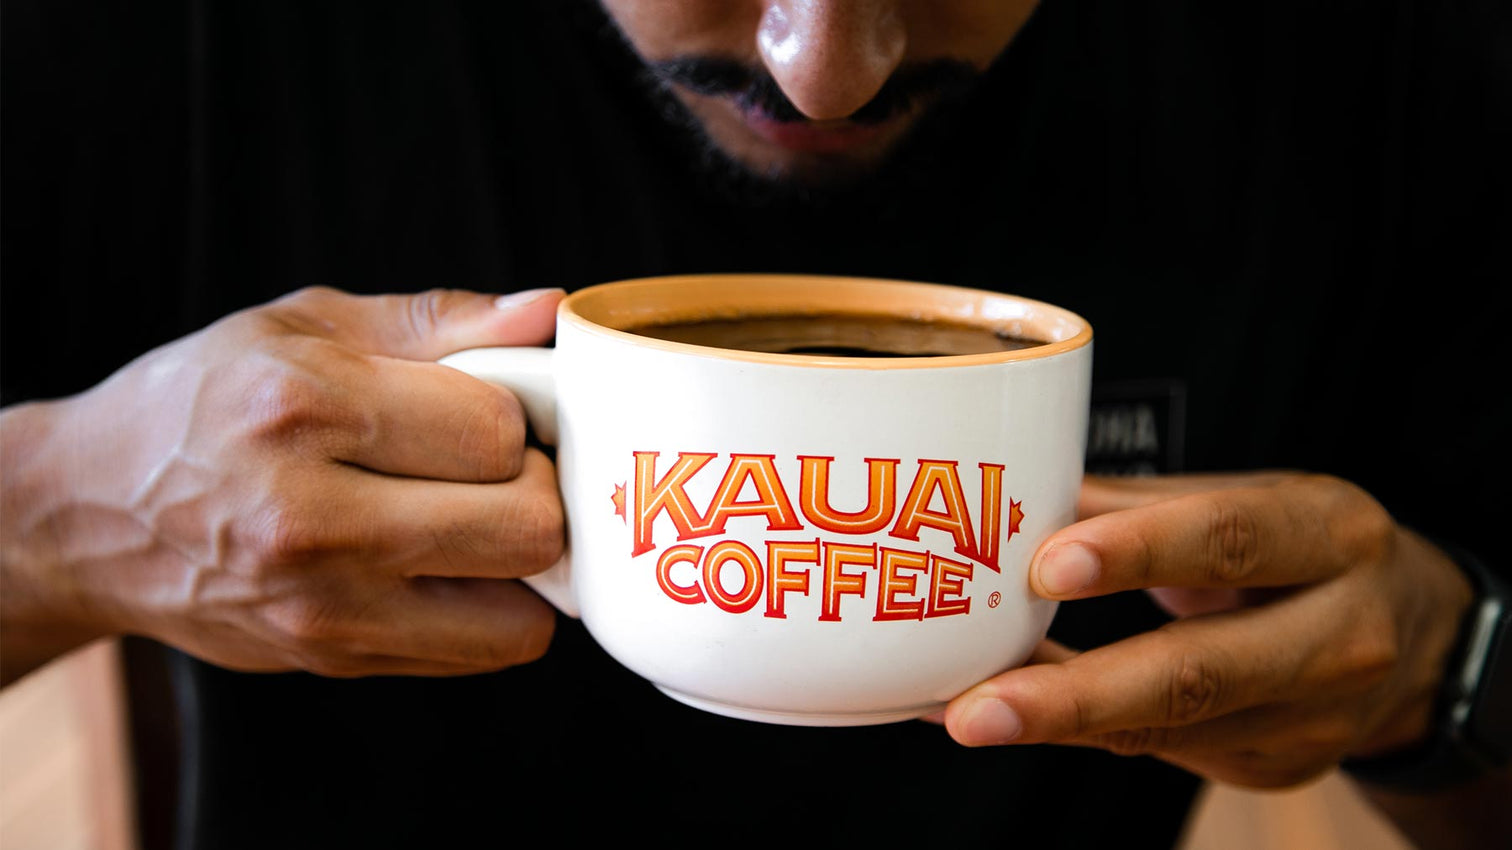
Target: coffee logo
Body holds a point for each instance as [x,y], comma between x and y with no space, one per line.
[902,583]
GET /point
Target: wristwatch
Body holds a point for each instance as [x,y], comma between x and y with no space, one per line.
[1473,717]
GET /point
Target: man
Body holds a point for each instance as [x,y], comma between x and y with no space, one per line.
[1238,200]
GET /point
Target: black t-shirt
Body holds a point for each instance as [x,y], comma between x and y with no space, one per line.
[1283,221]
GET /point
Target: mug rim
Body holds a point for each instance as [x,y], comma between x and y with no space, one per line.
[608,309]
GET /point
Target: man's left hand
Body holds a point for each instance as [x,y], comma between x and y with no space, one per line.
[1308,627]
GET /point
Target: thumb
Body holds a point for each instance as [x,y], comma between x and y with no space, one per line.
[430,325]
[433,324]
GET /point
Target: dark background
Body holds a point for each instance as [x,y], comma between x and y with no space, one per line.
[1295,213]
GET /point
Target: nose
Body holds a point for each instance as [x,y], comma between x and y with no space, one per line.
[831,56]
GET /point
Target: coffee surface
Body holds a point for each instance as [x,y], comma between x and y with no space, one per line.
[839,335]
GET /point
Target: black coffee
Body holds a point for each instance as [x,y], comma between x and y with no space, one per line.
[840,335]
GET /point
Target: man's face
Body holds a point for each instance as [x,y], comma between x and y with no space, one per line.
[814,91]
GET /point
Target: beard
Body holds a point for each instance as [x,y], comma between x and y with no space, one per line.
[940,91]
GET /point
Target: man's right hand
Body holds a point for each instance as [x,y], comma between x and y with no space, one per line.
[298,486]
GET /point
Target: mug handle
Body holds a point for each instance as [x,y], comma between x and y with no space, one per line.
[527,372]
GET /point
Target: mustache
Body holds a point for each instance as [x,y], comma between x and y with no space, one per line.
[755,89]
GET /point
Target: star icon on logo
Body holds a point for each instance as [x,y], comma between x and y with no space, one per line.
[1015,517]
[619,502]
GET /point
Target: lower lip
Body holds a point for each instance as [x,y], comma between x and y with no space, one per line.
[808,137]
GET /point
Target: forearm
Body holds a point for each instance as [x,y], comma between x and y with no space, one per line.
[1473,816]
[1468,814]
[40,617]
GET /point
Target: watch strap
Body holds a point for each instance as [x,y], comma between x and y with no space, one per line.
[1472,728]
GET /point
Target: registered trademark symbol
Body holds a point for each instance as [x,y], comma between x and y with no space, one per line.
[994,599]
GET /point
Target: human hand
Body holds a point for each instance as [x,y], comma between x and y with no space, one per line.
[1309,627]
[297,486]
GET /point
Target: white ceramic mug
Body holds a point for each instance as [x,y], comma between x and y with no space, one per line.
[801,539]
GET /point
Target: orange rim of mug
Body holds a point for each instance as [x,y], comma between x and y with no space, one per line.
[609,309]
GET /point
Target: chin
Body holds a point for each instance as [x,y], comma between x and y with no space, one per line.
[758,170]
[802,179]
[810,170]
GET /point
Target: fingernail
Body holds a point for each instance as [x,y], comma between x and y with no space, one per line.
[1067,569]
[516,300]
[990,721]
